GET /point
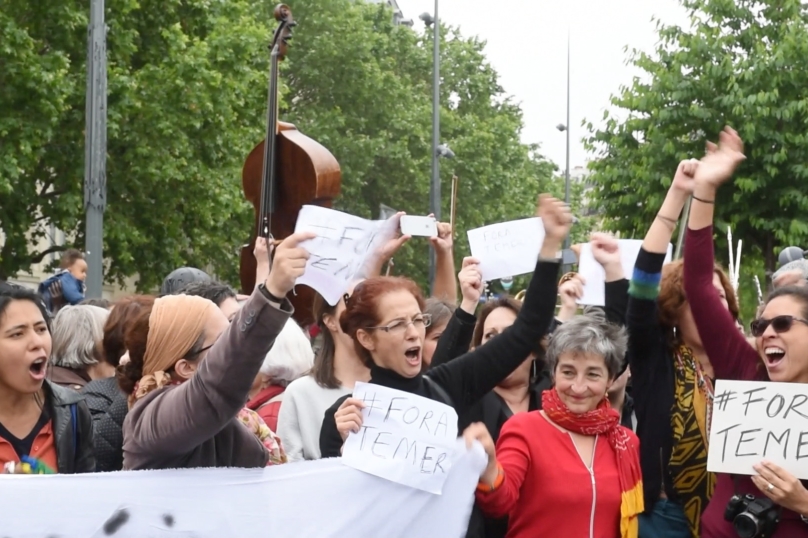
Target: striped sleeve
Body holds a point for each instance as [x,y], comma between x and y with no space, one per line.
[647,275]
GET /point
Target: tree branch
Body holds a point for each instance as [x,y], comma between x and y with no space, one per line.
[53,194]
[37,258]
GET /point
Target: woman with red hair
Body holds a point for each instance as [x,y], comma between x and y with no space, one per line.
[385,319]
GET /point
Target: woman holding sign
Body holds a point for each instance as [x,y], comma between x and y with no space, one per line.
[384,316]
[781,337]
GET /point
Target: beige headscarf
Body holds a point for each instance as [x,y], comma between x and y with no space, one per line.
[175,324]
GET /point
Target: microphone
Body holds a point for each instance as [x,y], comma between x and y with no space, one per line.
[790,254]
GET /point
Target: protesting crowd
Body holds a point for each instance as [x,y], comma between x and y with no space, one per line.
[596,422]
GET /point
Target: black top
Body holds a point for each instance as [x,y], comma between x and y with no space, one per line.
[467,379]
[23,446]
[108,406]
[652,382]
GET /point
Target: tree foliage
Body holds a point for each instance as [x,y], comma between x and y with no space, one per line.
[187,100]
[739,63]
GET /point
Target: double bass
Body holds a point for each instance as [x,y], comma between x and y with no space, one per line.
[284,172]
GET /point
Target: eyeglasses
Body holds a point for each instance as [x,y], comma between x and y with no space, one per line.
[780,324]
[399,326]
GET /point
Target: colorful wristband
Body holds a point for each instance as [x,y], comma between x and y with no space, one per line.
[488,488]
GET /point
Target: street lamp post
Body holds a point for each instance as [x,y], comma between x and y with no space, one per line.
[434,185]
[566,128]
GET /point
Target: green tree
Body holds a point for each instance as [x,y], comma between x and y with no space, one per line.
[187,99]
[185,81]
[374,114]
[739,63]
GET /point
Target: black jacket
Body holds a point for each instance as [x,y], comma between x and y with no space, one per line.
[72,428]
[108,406]
[467,379]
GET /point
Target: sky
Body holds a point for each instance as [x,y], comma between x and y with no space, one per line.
[527,46]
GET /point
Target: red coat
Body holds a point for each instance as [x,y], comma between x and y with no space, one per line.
[546,481]
[268,410]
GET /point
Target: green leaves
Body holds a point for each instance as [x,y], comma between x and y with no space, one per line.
[732,68]
[187,103]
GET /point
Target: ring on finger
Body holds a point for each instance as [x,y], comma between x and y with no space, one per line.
[770,487]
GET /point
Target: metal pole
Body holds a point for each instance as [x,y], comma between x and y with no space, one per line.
[567,174]
[95,141]
[434,186]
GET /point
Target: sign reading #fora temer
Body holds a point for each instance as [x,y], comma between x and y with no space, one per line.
[404,437]
[756,420]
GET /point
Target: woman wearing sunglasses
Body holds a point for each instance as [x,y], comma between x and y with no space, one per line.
[384,317]
[781,341]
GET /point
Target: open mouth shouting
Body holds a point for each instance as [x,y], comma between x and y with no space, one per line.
[413,355]
[773,356]
[39,368]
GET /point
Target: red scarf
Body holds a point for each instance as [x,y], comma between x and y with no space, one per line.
[604,420]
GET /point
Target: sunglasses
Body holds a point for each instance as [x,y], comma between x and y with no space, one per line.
[780,324]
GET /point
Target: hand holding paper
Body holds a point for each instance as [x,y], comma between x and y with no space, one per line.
[289,264]
[557,220]
[606,250]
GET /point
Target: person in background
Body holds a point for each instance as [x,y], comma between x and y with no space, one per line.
[107,403]
[101,303]
[179,278]
[77,335]
[190,370]
[336,370]
[672,375]
[573,453]
[440,312]
[43,425]
[779,352]
[66,287]
[222,296]
[289,358]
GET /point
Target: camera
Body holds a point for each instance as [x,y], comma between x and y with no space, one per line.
[752,517]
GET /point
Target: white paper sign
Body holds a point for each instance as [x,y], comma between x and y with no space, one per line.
[345,246]
[404,437]
[594,275]
[756,420]
[312,499]
[508,248]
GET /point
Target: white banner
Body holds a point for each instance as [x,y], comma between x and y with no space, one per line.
[404,437]
[311,499]
[755,420]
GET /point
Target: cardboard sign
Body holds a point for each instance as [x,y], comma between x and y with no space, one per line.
[508,248]
[756,420]
[404,437]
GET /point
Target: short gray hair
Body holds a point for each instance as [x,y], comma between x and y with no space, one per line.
[290,356]
[590,334]
[77,333]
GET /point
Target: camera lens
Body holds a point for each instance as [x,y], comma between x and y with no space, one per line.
[746,525]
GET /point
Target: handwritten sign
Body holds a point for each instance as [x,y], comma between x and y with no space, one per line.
[315,499]
[345,246]
[404,437]
[508,248]
[755,420]
[594,275]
